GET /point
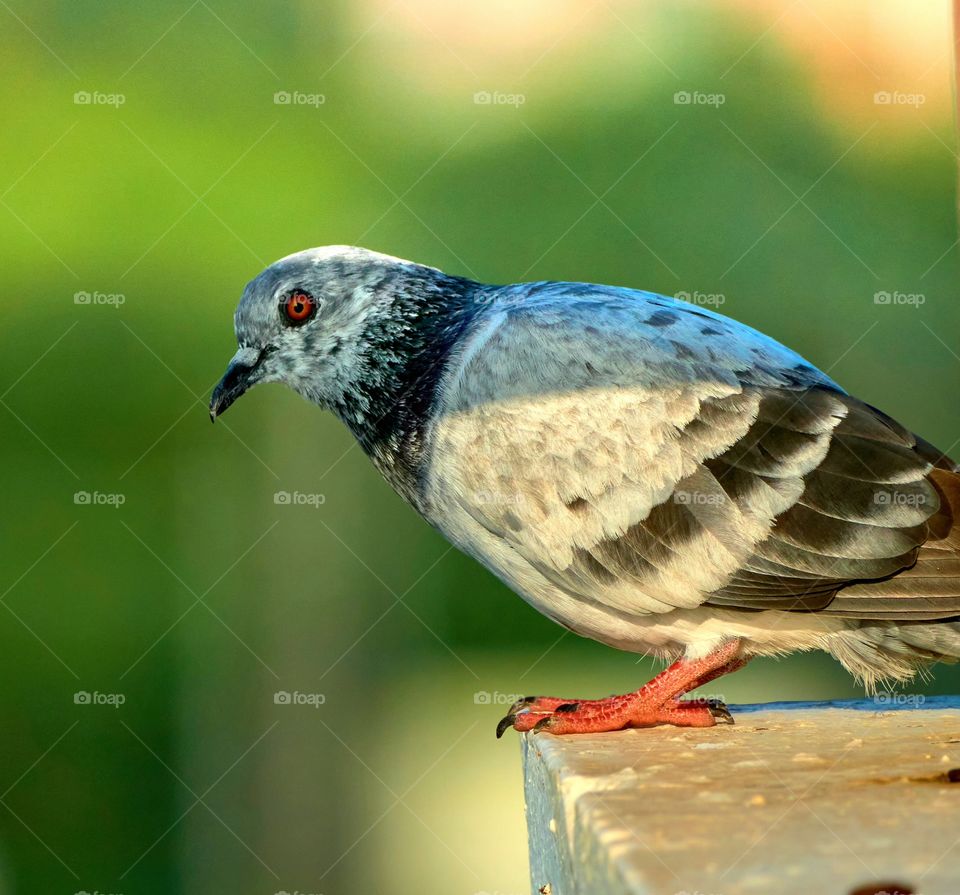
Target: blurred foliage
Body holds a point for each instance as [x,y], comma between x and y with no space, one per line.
[200,596]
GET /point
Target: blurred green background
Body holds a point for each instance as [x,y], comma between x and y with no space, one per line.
[504,143]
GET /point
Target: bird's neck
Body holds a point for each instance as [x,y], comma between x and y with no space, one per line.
[387,405]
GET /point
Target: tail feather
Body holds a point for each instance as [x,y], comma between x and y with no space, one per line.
[895,652]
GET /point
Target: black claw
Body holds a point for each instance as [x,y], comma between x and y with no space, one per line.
[505,724]
[543,724]
[720,712]
[567,707]
[521,703]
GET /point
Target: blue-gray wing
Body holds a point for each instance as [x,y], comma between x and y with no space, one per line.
[646,455]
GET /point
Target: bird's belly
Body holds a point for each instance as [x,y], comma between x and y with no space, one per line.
[690,631]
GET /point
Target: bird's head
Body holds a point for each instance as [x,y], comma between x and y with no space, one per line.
[302,321]
[335,324]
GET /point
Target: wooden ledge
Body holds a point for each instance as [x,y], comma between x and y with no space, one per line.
[808,798]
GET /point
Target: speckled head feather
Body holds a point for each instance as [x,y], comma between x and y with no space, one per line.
[372,353]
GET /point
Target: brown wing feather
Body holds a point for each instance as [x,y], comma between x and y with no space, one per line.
[876,531]
[928,589]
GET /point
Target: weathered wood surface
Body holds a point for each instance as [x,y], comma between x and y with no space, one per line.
[812,799]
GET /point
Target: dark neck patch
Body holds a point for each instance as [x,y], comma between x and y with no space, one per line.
[405,357]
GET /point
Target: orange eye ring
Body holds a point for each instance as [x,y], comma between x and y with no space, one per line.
[298,307]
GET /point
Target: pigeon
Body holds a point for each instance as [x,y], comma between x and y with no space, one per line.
[640,469]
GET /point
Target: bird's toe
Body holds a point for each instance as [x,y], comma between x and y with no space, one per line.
[521,703]
[721,714]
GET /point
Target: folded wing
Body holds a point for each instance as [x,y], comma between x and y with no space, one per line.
[647,455]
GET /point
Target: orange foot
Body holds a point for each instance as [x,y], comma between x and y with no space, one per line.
[657,702]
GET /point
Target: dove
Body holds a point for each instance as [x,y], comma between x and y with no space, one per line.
[641,470]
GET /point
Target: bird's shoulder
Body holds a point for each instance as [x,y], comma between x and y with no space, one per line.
[582,336]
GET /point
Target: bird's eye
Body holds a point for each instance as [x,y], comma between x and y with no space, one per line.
[298,307]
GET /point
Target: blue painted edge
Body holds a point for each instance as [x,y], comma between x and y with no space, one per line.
[882,702]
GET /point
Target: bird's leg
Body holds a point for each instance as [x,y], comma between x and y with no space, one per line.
[714,706]
[544,704]
[657,702]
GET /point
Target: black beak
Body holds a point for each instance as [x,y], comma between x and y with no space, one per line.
[242,373]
